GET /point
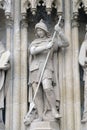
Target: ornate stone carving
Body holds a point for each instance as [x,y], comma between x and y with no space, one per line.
[9,21]
[32,4]
[76,6]
[75,22]
[6,5]
[24,21]
[43,53]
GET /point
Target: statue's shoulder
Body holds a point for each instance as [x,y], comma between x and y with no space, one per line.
[84,44]
[35,41]
[39,41]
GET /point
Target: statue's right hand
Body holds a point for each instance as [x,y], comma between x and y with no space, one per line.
[50,44]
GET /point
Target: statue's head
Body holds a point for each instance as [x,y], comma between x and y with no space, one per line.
[41,29]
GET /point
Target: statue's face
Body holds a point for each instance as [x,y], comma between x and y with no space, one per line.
[40,33]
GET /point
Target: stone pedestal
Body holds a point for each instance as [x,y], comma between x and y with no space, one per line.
[52,125]
[84,126]
[2,126]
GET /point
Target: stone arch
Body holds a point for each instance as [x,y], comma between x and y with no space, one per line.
[32,4]
[76,5]
[6,6]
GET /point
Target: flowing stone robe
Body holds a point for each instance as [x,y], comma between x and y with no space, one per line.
[83,63]
[5,59]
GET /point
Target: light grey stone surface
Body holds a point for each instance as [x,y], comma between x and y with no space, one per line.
[2,126]
[50,125]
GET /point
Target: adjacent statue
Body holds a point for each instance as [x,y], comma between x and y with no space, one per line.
[41,49]
[83,63]
[4,65]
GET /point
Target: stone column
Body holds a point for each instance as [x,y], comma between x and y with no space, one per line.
[76,80]
[17,68]
[24,70]
[68,69]
[24,4]
[9,80]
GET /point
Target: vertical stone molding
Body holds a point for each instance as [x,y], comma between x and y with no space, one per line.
[8,117]
[76,77]
[17,69]
[24,69]
[68,69]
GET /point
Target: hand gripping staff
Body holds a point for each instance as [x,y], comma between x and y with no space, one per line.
[32,104]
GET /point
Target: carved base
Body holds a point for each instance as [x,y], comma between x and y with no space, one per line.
[44,125]
[2,126]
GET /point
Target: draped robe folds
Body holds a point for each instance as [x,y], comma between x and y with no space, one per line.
[82,56]
[83,63]
[2,77]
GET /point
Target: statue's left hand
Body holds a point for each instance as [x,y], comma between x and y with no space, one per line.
[50,44]
[57,28]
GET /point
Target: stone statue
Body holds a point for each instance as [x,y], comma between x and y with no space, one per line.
[83,63]
[4,65]
[46,98]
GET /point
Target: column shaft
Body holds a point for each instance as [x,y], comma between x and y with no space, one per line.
[8,117]
[24,72]
[17,68]
[76,80]
[68,69]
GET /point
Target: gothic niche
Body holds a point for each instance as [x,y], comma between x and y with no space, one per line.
[41,13]
[42,19]
[82,18]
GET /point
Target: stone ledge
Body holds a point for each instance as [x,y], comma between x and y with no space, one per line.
[44,125]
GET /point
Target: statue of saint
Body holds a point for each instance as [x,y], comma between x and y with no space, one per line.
[83,63]
[4,65]
[45,100]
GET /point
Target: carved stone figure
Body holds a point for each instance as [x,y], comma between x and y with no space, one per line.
[45,100]
[83,63]
[4,65]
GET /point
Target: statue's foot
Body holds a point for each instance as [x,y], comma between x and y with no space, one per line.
[56,114]
[84,120]
[38,119]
